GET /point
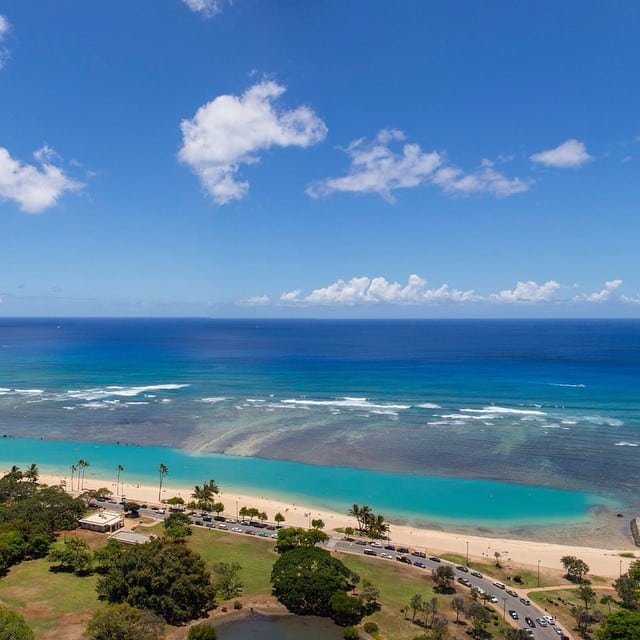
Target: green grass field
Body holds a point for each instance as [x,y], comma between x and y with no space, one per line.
[56,605]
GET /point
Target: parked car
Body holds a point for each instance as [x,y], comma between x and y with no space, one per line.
[477,574]
[369,552]
[462,568]
[525,601]
[514,614]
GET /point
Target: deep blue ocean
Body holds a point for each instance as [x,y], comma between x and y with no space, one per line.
[533,418]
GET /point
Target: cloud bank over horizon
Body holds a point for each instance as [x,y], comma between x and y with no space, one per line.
[378,290]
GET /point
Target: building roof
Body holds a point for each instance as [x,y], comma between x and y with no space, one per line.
[130,537]
[102,518]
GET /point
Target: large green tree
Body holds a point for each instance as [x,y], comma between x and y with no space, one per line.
[576,568]
[226,578]
[124,622]
[621,625]
[169,579]
[628,587]
[305,579]
[13,626]
[294,537]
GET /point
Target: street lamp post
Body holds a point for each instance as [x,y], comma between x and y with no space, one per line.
[620,569]
[538,572]
[504,608]
[467,553]
[236,509]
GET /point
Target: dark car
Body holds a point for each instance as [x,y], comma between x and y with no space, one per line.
[465,581]
[389,547]
[362,542]
[419,554]
[530,622]
[434,559]
[477,574]
[404,559]
[422,565]
[370,552]
[402,550]
[514,614]
[462,568]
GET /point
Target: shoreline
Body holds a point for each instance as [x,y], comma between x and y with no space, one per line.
[603,561]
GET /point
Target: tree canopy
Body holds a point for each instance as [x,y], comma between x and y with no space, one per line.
[621,625]
[305,579]
[169,579]
[124,622]
[13,626]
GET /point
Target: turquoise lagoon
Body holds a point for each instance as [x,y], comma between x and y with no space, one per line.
[416,499]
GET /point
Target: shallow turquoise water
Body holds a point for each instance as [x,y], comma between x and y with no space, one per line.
[398,496]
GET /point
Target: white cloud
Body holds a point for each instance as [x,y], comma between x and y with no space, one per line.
[230,131]
[364,290]
[255,301]
[485,180]
[603,295]
[34,188]
[529,291]
[207,8]
[4,29]
[569,154]
[377,168]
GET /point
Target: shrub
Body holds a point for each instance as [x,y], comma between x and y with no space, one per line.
[202,631]
[350,633]
[237,605]
[370,627]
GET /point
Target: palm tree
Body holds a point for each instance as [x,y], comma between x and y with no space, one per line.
[205,495]
[119,469]
[74,468]
[608,600]
[32,473]
[355,512]
[162,470]
[82,464]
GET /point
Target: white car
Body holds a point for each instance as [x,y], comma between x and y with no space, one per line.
[388,556]
[549,619]
[499,585]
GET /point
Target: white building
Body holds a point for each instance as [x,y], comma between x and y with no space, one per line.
[102,521]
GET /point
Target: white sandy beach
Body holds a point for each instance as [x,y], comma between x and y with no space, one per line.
[602,562]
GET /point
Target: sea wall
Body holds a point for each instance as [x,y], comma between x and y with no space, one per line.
[635,531]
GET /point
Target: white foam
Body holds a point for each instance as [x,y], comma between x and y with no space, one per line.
[627,444]
[505,411]
[99,393]
[28,392]
[348,402]
[568,422]
[560,384]
[212,400]
[429,405]
[604,421]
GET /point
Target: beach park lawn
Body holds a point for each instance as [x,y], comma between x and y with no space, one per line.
[56,605]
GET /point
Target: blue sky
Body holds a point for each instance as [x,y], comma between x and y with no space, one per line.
[319,158]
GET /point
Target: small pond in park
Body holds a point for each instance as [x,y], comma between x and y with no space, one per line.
[261,627]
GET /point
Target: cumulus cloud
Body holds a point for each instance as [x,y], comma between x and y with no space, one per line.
[603,295]
[230,131]
[377,167]
[365,290]
[529,291]
[569,154]
[4,29]
[484,180]
[206,8]
[255,301]
[34,188]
